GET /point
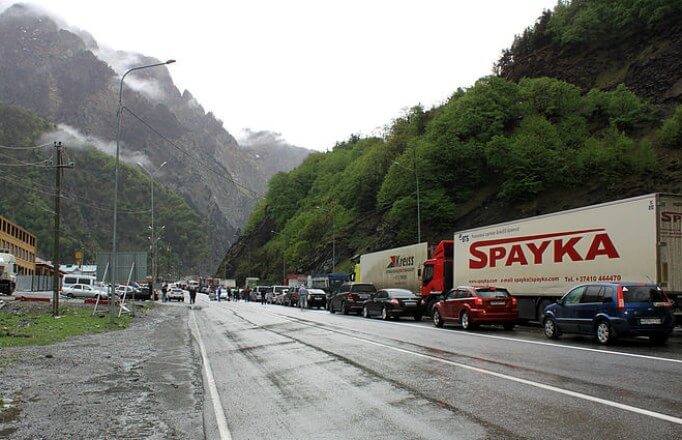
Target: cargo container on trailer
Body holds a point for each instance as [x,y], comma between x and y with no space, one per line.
[540,258]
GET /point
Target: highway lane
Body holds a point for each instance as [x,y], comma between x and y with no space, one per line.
[286,373]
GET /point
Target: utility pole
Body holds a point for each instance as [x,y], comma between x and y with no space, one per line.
[59,167]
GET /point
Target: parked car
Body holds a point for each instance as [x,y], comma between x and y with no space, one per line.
[472,306]
[129,291]
[175,293]
[393,303]
[290,298]
[610,310]
[81,291]
[278,294]
[351,297]
[309,298]
[258,291]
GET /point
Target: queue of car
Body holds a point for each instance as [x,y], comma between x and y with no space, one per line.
[605,311]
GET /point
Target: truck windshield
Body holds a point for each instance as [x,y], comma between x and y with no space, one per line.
[632,294]
[490,293]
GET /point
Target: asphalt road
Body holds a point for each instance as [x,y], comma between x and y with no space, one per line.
[283,373]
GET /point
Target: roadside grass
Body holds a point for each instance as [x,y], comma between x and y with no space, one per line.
[41,328]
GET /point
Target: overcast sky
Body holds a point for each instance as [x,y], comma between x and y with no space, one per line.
[314,71]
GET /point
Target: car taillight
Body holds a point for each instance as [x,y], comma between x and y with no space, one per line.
[478,301]
[349,297]
[395,302]
[621,301]
[513,301]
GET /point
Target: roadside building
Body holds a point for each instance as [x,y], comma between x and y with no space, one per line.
[75,269]
[19,242]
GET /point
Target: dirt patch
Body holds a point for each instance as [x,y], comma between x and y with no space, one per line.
[141,382]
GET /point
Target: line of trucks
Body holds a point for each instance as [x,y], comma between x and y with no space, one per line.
[540,258]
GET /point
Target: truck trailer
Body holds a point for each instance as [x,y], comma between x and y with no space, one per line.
[538,259]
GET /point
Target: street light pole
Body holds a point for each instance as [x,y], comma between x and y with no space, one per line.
[416,178]
[151,184]
[333,236]
[114,244]
[284,261]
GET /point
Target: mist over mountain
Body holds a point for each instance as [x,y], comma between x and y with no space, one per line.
[63,76]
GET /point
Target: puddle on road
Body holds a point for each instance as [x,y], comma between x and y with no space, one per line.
[9,413]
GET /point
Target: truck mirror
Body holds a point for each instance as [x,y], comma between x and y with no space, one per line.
[419,272]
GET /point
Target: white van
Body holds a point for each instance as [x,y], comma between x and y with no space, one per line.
[70,280]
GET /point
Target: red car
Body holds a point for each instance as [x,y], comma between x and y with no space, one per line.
[472,306]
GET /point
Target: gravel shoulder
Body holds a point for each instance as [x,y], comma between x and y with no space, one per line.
[141,382]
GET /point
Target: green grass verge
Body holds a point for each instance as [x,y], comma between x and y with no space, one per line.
[41,328]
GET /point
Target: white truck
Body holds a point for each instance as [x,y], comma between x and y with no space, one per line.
[8,273]
[540,258]
[397,267]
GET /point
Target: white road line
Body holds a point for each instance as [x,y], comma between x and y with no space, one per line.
[540,385]
[526,341]
[221,420]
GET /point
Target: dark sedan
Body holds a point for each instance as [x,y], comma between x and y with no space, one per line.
[393,303]
[351,298]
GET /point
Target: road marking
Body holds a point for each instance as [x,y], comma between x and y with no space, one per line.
[221,420]
[525,341]
[540,385]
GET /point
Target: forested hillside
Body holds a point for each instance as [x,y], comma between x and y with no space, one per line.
[500,150]
[27,197]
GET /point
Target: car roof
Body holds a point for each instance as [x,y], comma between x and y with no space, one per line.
[396,289]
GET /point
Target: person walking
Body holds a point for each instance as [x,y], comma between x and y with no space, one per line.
[164,289]
[217,293]
[262,297]
[192,294]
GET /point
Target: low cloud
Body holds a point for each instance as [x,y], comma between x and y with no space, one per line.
[120,61]
[72,138]
[261,138]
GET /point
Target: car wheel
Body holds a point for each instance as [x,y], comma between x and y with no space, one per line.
[331,309]
[659,339]
[365,312]
[508,326]
[551,329]
[344,309]
[437,320]
[605,334]
[465,320]
[69,295]
[418,317]
[384,314]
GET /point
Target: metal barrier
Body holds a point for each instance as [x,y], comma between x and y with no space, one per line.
[33,283]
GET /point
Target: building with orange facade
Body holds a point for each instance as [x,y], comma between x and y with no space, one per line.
[19,242]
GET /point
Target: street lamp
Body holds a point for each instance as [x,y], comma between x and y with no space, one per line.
[155,274]
[284,262]
[114,248]
[416,178]
[333,237]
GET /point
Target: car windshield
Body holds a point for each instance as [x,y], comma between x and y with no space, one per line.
[492,293]
[363,288]
[400,294]
[280,289]
[632,294]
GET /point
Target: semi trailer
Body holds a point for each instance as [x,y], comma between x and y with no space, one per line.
[540,258]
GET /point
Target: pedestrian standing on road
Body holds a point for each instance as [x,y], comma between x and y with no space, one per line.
[218,291]
[192,295]
[164,289]
[262,297]
[150,286]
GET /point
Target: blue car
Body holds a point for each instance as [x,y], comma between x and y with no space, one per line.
[610,310]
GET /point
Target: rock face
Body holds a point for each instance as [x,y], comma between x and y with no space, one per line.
[63,76]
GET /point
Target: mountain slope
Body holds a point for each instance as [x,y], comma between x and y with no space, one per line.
[65,78]
[500,150]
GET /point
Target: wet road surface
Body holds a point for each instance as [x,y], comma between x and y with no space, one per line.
[286,373]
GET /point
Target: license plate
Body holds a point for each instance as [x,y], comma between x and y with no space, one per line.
[409,303]
[647,321]
[497,303]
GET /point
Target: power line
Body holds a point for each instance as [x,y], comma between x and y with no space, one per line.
[21,147]
[75,198]
[199,161]
[41,164]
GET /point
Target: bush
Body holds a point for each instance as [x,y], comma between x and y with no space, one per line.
[670,133]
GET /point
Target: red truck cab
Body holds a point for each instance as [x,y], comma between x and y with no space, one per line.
[436,276]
